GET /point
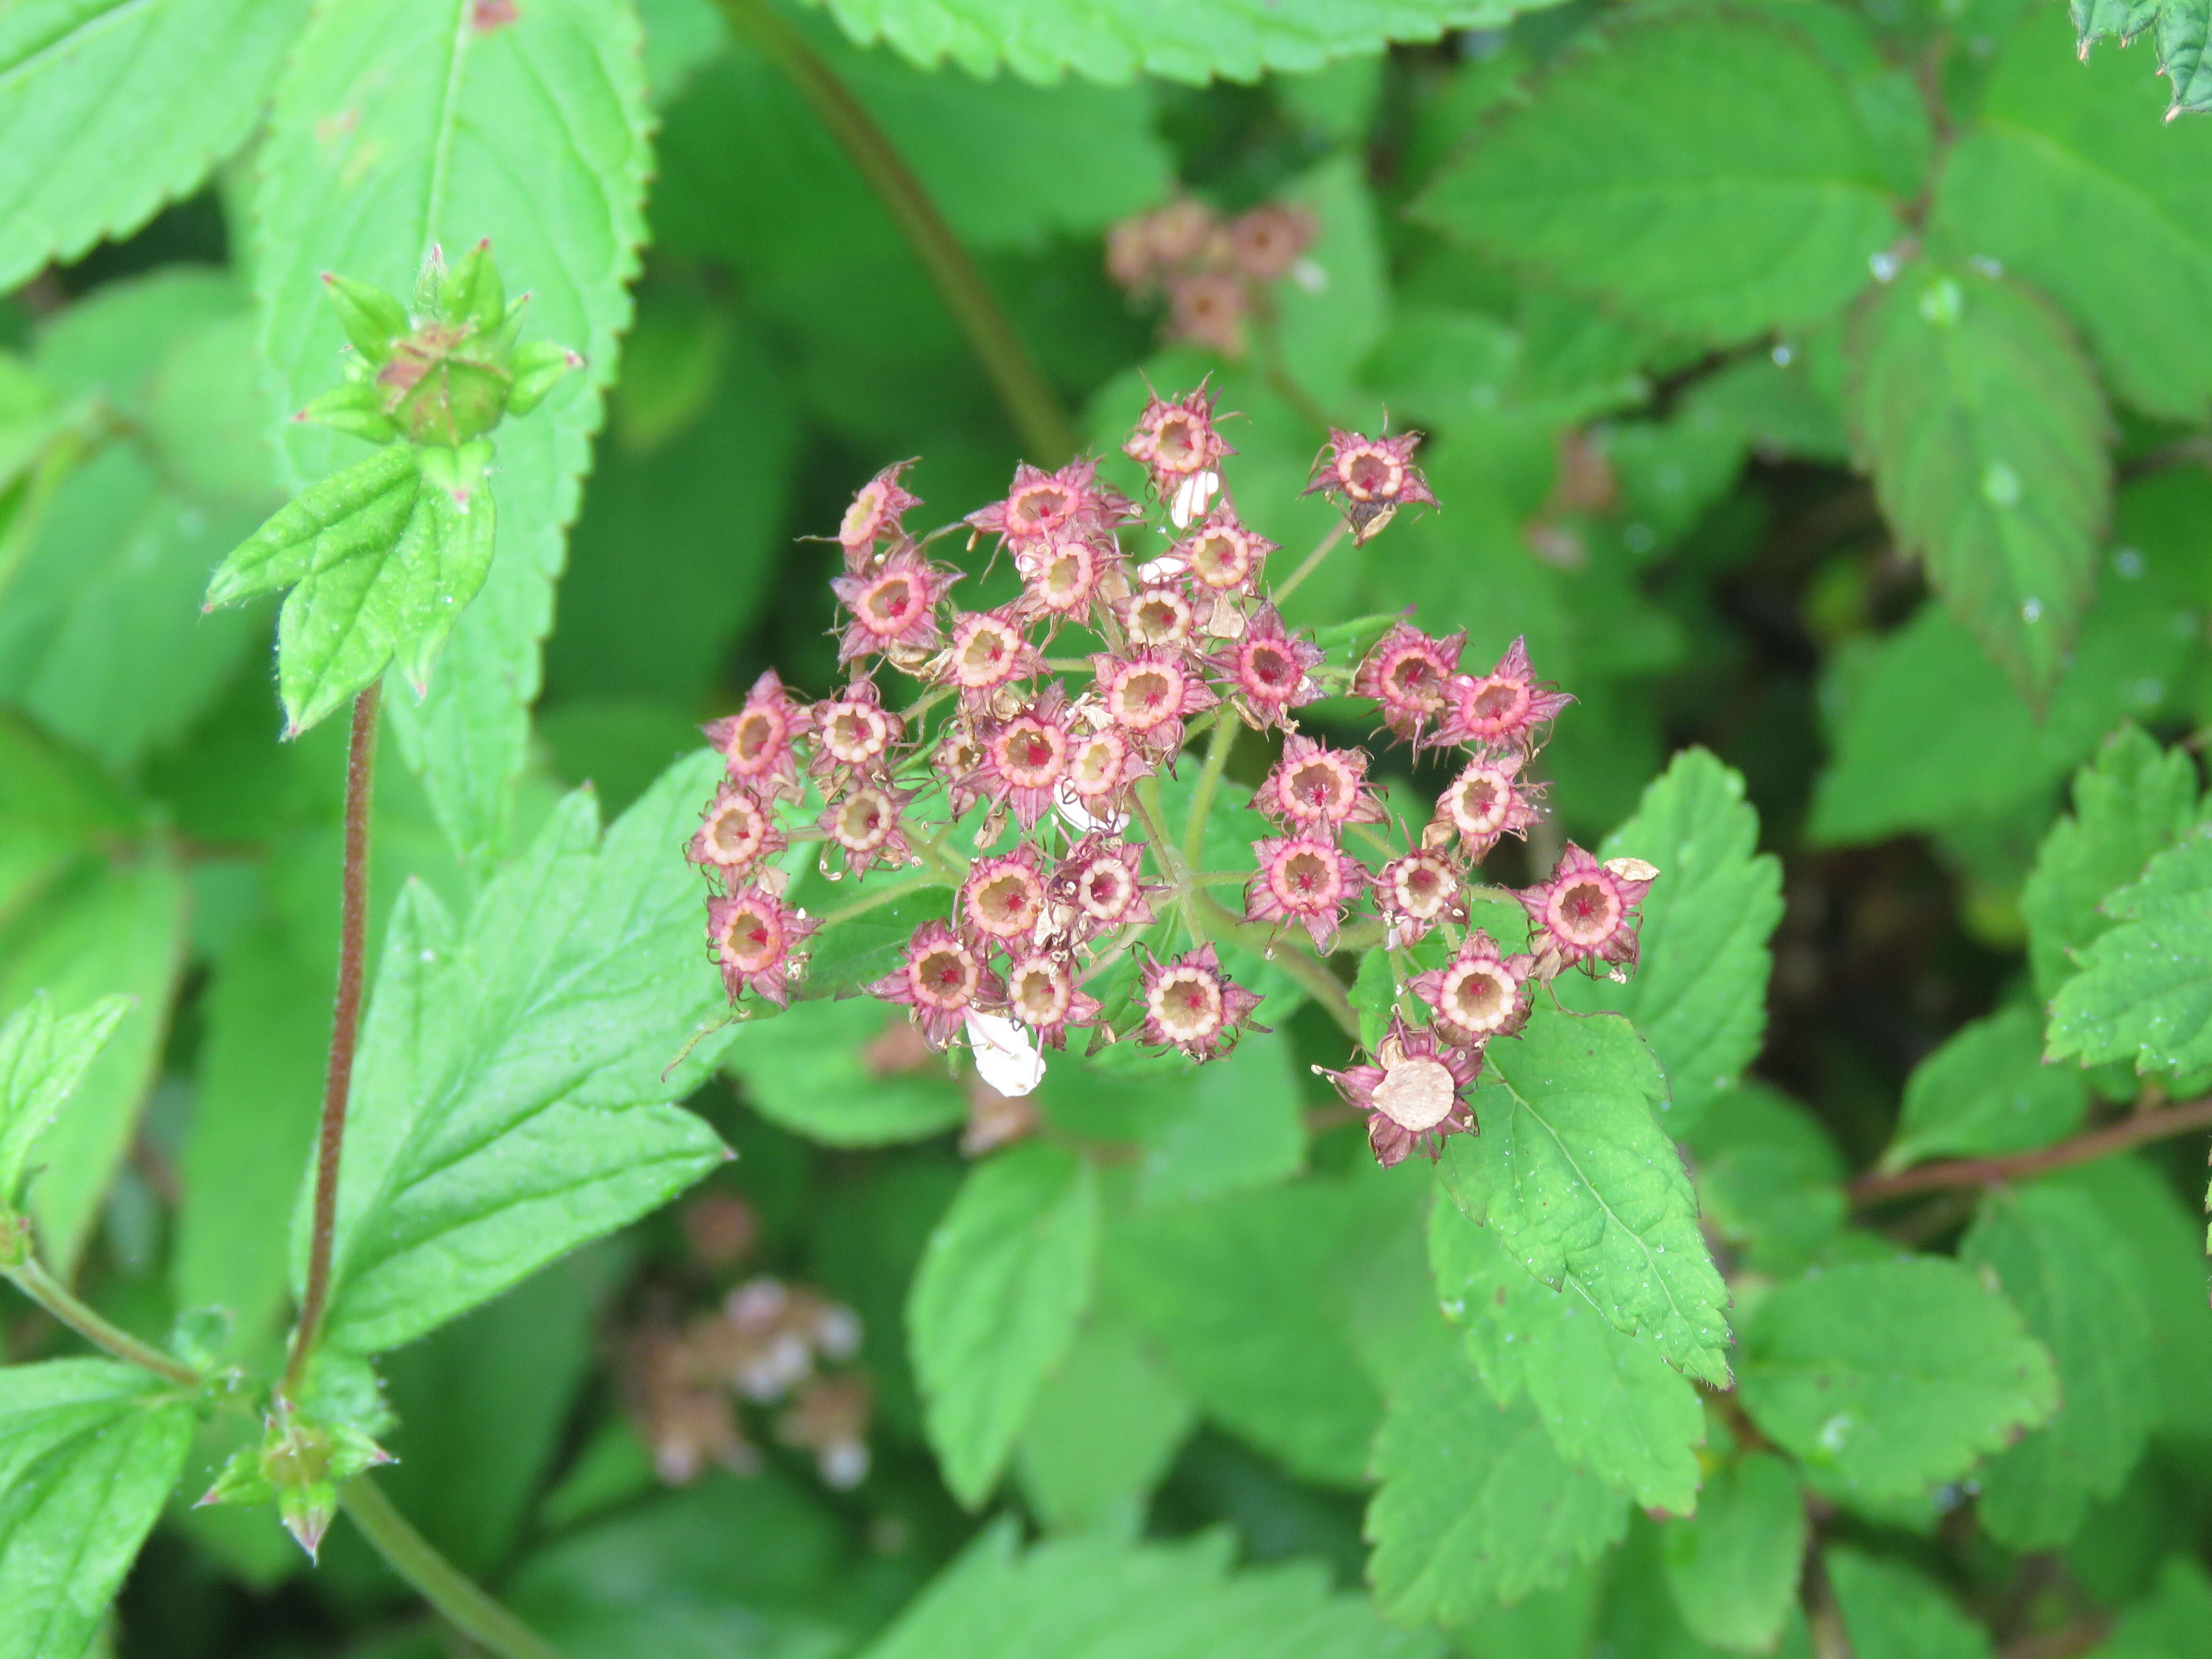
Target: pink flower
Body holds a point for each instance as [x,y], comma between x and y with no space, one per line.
[1266,240]
[875,515]
[1479,994]
[1269,669]
[1414,1093]
[1223,556]
[1370,478]
[756,742]
[1041,994]
[939,977]
[1149,694]
[1318,790]
[1176,440]
[1485,801]
[735,834]
[1003,897]
[1408,673]
[894,605]
[855,733]
[1158,618]
[1096,888]
[1044,506]
[1101,768]
[1191,1005]
[752,933]
[866,823]
[1060,575]
[1586,912]
[1025,758]
[1417,890]
[989,650]
[956,761]
[1502,707]
[1304,879]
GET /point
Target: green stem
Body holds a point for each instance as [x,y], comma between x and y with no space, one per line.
[1310,972]
[1308,565]
[1030,400]
[32,1279]
[458,1599]
[1218,746]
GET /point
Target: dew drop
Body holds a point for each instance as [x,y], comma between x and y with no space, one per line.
[2000,484]
[2128,561]
[2030,611]
[1884,266]
[1783,357]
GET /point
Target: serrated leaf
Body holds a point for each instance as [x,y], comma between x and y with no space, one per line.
[2072,1277]
[1890,1610]
[1734,1567]
[403,125]
[2144,992]
[1101,1598]
[1582,1184]
[1475,1505]
[1698,993]
[995,1305]
[43,1056]
[89,1450]
[1769,1177]
[2069,179]
[2132,799]
[1987,1091]
[2182,26]
[1105,1429]
[1193,40]
[2165,1245]
[1707,174]
[1985,431]
[109,108]
[512,1095]
[807,1069]
[1611,1405]
[1894,1376]
[382,560]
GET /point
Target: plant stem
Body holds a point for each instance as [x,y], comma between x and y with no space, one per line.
[1224,739]
[458,1601]
[346,1033]
[1310,971]
[2144,1126]
[31,1277]
[1030,400]
[1308,565]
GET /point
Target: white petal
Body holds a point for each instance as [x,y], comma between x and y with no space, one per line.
[1192,497]
[1164,568]
[1006,1055]
[1070,806]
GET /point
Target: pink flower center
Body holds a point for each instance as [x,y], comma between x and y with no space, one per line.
[1064,576]
[1221,558]
[1480,802]
[1186,1004]
[866,821]
[1032,753]
[1038,508]
[1177,443]
[1106,889]
[1494,706]
[734,834]
[1584,912]
[1040,992]
[753,939]
[1160,617]
[864,517]
[757,736]
[1006,904]
[890,604]
[1478,996]
[988,653]
[1307,880]
[1144,697]
[1414,678]
[1270,672]
[943,977]
[1420,890]
[1367,474]
[856,733]
[1319,788]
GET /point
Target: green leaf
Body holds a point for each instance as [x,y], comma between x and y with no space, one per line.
[2069,179]
[1560,1623]
[2132,799]
[1584,1188]
[1707,174]
[1238,1125]
[2176,1618]
[1985,431]
[1105,1429]
[1769,1177]
[1643,1615]
[2072,1277]
[512,1098]
[1894,1376]
[808,1069]
[42,1058]
[89,1450]
[2182,28]
[109,108]
[1610,1403]
[1734,1567]
[1104,1599]
[1698,993]
[398,126]
[100,929]
[1329,318]
[1987,1091]
[2144,992]
[1195,41]
[1000,1292]
[1476,1505]
[1891,1611]
[382,560]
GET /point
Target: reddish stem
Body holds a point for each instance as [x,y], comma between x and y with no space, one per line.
[345,1032]
[2161,1124]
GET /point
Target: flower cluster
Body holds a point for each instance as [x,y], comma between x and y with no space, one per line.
[1027,780]
[1214,272]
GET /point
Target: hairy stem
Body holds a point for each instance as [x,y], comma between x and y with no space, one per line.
[1224,739]
[31,1277]
[346,1033]
[458,1601]
[2144,1127]
[1030,400]
[1307,566]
